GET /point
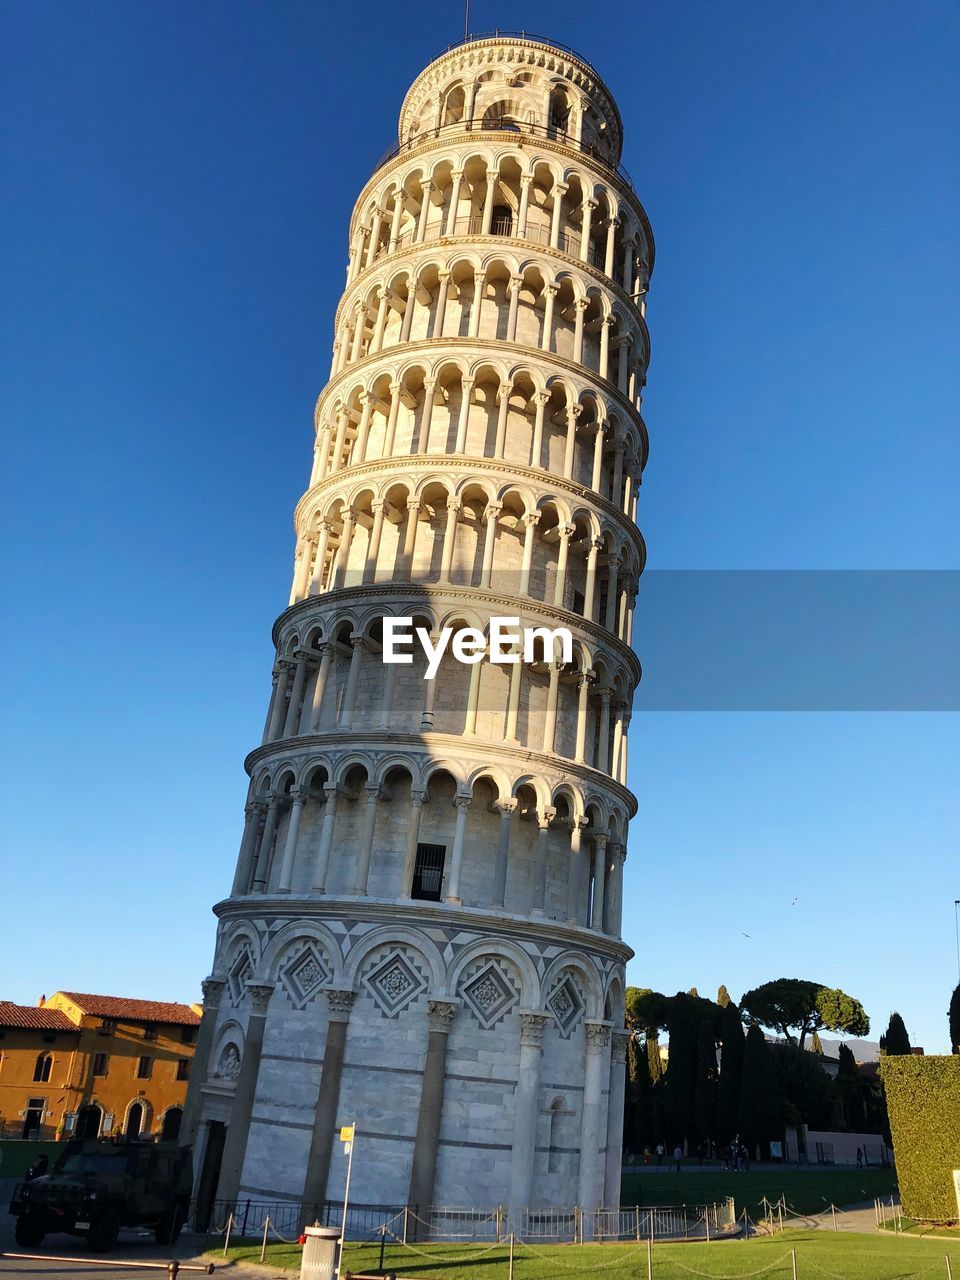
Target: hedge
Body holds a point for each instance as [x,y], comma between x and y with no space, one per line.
[923,1102]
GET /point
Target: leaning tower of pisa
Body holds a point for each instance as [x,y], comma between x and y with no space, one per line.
[424,929]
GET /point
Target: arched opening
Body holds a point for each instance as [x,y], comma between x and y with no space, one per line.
[135,1117]
[89,1120]
[170,1129]
[42,1068]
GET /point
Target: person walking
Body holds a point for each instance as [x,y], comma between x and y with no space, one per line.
[677,1156]
[660,1154]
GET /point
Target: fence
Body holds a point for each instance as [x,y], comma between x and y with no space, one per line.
[453,1224]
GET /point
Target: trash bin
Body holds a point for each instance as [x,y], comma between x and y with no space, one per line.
[319,1261]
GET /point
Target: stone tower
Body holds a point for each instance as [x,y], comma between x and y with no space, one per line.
[423,933]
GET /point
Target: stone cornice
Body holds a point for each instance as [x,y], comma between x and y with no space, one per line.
[547,482]
[403,354]
[392,261]
[393,911]
[442,746]
[498,604]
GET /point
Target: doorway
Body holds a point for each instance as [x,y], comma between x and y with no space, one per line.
[209,1174]
[89,1120]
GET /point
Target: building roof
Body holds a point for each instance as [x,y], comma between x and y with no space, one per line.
[31,1018]
[136,1010]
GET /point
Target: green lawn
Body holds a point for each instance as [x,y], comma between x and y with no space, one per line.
[806,1190]
[819,1254]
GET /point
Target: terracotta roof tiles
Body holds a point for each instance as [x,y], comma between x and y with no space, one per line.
[137,1010]
[31,1018]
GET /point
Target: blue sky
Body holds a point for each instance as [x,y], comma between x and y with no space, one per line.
[174,176]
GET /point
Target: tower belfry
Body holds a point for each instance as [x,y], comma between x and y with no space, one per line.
[424,929]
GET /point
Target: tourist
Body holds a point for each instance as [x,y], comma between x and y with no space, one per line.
[660,1154]
[677,1156]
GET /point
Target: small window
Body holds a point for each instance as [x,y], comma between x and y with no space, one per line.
[42,1068]
[107,1027]
[100,1064]
[428,872]
[150,1031]
[188,1035]
[144,1068]
[183,1068]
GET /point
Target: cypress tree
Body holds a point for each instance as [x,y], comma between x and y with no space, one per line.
[731,1069]
[705,1090]
[815,1044]
[955,1020]
[681,1076]
[895,1040]
[638,1086]
[654,1061]
[760,1108]
[851,1090]
[723,996]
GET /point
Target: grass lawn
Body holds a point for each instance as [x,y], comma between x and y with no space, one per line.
[819,1254]
[806,1190]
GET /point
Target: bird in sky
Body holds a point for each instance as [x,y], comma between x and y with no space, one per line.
[794,902]
[746,935]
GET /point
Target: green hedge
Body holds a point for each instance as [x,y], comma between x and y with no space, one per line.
[923,1101]
[17,1157]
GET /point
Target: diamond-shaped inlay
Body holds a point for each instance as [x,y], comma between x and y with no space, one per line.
[241,971]
[394,983]
[488,995]
[305,974]
[566,1005]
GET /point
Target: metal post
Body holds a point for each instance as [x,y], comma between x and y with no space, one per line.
[226,1242]
[946,1258]
[172,1269]
[266,1228]
[511,1256]
[833,1210]
[406,1210]
[243,1229]
[346,1201]
[780,1214]
[793,1262]
[499,1223]
[706,1220]
[649,1260]
[383,1246]
[638,1224]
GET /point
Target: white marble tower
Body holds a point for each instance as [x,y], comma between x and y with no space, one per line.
[423,933]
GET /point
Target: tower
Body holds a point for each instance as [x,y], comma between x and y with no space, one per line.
[423,933]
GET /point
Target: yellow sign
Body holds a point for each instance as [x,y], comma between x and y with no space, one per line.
[346,1132]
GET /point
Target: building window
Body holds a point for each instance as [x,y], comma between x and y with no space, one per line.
[144,1068]
[428,872]
[188,1035]
[100,1064]
[183,1068]
[107,1027]
[150,1031]
[49,1039]
[42,1068]
[501,223]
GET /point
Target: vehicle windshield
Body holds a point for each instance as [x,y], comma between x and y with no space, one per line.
[93,1162]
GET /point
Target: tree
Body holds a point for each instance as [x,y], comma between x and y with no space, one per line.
[815,1044]
[760,1108]
[635,1094]
[723,996]
[654,1060]
[851,1091]
[809,1094]
[681,1077]
[895,1039]
[646,1010]
[731,1068]
[796,1004]
[955,1020]
[705,1090]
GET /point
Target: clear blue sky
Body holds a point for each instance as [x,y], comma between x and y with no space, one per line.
[173,176]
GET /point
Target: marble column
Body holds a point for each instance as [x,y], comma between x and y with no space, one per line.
[506,809]
[593,1126]
[212,992]
[241,1109]
[540,866]
[325,848]
[526,1112]
[299,798]
[615,1098]
[462,806]
[418,798]
[599,880]
[365,841]
[423,1174]
[248,843]
[328,1098]
[261,863]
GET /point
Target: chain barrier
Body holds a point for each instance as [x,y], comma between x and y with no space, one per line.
[810,1265]
[468,1257]
[740,1275]
[578,1266]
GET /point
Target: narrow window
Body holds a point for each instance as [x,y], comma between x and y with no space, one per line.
[188,1035]
[100,1064]
[42,1068]
[150,1031]
[428,872]
[502,220]
[107,1027]
[183,1068]
[144,1068]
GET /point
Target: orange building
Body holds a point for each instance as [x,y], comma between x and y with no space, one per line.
[80,1065]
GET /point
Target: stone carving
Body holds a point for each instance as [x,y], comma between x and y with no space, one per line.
[598,1036]
[228,1064]
[440,1014]
[619,1050]
[394,984]
[566,1004]
[489,994]
[260,993]
[532,1027]
[240,972]
[304,975]
[340,1002]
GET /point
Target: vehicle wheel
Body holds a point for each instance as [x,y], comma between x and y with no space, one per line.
[102,1236]
[30,1229]
[167,1230]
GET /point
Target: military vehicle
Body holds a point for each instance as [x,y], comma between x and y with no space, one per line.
[98,1186]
